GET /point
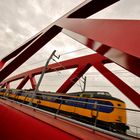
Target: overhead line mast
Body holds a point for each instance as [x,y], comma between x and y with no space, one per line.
[43,72]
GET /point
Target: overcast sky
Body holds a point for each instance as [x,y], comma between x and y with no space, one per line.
[21,19]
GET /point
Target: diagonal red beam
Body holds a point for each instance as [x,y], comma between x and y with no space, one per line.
[67,64]
[29,51]
[89,7]
[96,60]
[108,37]
[73,78]
[30,47]
[23,82]
[122,86]
[7,85]
[21,48]
[33,82]
[109,32]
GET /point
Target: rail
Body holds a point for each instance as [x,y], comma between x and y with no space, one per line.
[94,128]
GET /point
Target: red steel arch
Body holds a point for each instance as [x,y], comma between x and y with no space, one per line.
[117,40]
[82,64]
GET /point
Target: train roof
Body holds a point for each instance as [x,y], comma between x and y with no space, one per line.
[85,94]
[105,93]
[95,94]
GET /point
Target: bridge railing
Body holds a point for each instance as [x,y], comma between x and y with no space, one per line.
[94,128]
[134,126]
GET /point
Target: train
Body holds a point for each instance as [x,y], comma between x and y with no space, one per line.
[94,107]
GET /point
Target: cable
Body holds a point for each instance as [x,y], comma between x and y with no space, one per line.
[71,80]
[118,71]
[73,51]
[96,74]
[44,60]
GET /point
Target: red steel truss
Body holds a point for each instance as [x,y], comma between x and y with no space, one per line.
[82,64]
[114,41]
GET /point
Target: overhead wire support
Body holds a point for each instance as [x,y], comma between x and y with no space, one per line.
[84,81]
[42,74]
[65,69]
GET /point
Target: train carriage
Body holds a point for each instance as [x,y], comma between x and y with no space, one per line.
[96,107]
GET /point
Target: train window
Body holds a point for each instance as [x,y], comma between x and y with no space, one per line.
[10,91]
[24,93]
[47,98]
[71,101]
[103,94]
[100,93]
[19,93]
[58,99]
[107,108]
[86,95]
[39,97]
[64,100]
[94,105]
[82,103]
[74,94]
[44,97]
[90,104]
[53,98]
[30,95]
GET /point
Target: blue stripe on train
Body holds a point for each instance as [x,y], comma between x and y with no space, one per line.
[91,106]
[105,109]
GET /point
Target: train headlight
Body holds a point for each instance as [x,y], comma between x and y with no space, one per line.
[119,119]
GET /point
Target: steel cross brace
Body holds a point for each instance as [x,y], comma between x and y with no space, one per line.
[25,51]
[82,64]
[118,40]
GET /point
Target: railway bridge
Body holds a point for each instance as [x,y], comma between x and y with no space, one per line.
[114,41]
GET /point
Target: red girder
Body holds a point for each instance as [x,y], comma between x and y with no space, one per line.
[67,64]
[121,85]
[36,44]
[33,82]
[23,82]
[38,41]
[82,64]
[109,32]
[118,40]
[73,78]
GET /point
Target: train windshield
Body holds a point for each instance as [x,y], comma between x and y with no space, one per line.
[95,94]
[91,94]
[103,93]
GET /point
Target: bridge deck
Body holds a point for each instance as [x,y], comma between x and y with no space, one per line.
[20,122]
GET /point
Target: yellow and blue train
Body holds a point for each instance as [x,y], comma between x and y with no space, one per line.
[97,107]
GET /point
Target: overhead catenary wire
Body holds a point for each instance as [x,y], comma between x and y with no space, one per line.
[97,74]
[43,60]
[65,69]
[93,73]
[73,51]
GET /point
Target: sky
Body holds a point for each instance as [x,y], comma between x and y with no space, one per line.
[21,19]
